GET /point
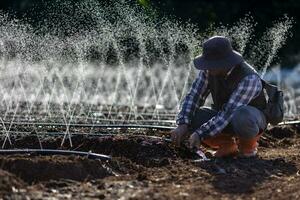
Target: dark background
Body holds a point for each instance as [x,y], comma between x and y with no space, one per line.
[203,13]
[264,12]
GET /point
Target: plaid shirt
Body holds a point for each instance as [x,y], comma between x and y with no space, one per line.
[249,88]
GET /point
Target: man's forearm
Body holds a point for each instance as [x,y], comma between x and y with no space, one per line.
[196,95]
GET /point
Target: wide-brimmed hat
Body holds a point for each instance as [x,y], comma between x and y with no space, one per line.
[217,54]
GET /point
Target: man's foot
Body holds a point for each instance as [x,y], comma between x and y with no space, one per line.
[227,150]
[224,143]
[248,147]
[248,154]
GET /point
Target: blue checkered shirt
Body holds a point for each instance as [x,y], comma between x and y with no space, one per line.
[248,88]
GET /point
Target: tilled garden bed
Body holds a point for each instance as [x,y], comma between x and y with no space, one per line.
[143,167]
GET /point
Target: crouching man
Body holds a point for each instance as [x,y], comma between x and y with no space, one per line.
[235,122]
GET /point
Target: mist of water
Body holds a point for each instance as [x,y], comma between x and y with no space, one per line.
[112,55]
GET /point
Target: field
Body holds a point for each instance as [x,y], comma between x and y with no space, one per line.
[75,74]
[146,167]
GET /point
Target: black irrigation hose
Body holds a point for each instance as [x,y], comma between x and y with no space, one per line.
[104,113]
[112,126]
[117,126]
[120,121]
[55,152]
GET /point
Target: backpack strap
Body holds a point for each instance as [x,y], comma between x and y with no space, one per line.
[270,89]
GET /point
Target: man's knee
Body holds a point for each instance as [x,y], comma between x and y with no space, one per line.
[244,123]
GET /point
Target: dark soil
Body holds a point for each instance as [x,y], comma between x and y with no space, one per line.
[150,168]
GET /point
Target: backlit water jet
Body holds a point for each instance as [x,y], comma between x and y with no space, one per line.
[113,59]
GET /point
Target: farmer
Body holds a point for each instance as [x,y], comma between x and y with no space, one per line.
[235,122]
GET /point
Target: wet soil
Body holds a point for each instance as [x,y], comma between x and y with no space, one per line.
[150,168]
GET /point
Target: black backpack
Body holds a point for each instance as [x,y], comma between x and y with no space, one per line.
[274,111]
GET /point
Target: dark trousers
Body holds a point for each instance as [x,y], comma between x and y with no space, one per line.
[247,121]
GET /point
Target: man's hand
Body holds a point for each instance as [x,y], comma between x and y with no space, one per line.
[178,134]
[194,141]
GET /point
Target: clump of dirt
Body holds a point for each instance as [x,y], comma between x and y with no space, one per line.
[42,168]
[282,132]
[279,136]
